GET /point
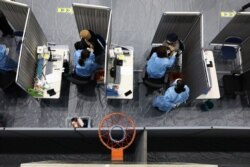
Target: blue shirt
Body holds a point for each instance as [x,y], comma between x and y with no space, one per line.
[89,65]
[6,63]
[157,67]
[171,99]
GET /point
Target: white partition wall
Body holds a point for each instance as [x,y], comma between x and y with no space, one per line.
[33,37]
[15,13]
[175,22]
[189,27]
[239,26]
[93,17]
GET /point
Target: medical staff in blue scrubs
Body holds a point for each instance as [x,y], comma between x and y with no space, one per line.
[84,63]
[175,95]
[6,63]
[160,62]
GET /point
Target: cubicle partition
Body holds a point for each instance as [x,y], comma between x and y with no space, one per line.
[245,55]
[95,18]
[33,37]
[194,69]
[239,26]
[15,13]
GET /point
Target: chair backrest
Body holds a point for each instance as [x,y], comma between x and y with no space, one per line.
[7,78]
[77,80]
[233,40]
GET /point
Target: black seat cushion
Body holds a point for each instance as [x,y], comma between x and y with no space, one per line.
[231,84]
[7,79]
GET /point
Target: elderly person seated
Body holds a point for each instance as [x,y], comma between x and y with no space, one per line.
[91,40]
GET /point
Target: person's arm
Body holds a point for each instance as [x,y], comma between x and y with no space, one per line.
[172,59]
[76,57]
[168,97]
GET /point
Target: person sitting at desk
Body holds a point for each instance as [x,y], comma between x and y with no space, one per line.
[175,95]
[176,45]
[84,63]
[160,62]
[6,63]
[91,40]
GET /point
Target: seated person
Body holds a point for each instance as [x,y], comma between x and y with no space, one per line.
[176,45]
[91,40]
[77,123]
[175,95]
[84,63]
[160,62]
[6,63]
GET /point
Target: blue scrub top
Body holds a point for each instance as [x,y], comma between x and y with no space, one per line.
[157,67]
[89,65]
[6,63]
[171,99]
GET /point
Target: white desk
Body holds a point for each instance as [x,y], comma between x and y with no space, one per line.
[127,76]
[55,78]
[213,92]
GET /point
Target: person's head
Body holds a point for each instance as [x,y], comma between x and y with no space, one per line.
[171,38]
[85,34]
[84,55]
[162,51]
[74,122]
[179,86]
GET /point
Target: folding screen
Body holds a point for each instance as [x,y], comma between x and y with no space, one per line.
[97,19]
[93,17]
[188,26]
[33,37]
[178,22]
[239,26]
[15,13]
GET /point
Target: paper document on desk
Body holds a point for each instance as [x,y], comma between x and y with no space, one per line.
[126,70]
[51,78]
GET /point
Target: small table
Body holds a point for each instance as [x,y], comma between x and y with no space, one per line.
[54,79]
[125,87]
[213,92]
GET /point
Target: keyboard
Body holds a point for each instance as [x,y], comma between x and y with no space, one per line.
[117,75]
[49,68]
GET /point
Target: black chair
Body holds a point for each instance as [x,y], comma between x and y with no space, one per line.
[237,85]
[230,52]
[80,81]
[154,84]
[7,80]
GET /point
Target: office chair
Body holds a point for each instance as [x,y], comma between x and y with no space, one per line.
[79,81]
[237,85]
[230,52]
[153,84]
[7,80]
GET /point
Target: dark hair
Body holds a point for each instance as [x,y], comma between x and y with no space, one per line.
[161,51]
[172,37]
[84,55]
[179,86]
[73,119]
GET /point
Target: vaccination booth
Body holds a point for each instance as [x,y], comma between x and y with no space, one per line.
[198,67]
